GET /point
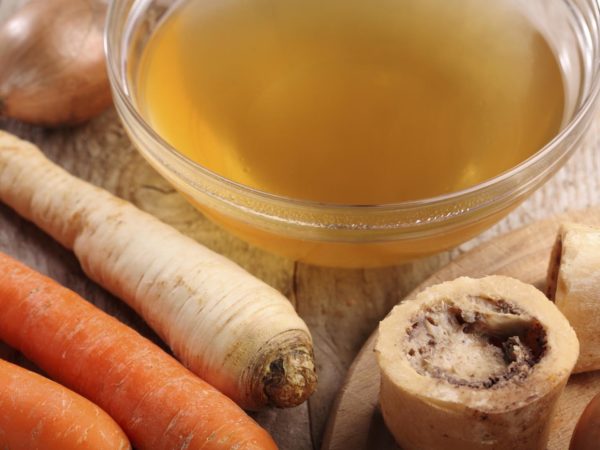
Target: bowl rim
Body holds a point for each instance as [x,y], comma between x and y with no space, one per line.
[116,74]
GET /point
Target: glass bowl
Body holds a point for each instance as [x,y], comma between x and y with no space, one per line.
[363,235]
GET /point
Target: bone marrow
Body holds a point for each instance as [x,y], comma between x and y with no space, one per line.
[474,364]
[488,345]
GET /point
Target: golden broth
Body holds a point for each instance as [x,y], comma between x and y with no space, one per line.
[352,101]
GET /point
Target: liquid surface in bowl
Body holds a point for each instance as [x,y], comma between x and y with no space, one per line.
[352,101]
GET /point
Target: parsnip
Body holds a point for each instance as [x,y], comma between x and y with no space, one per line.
[573,282]
[474,364]
[231,329]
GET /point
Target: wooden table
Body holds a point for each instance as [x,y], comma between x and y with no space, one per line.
[341,307]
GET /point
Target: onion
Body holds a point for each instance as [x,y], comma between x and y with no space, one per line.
[587,432]
[52,65]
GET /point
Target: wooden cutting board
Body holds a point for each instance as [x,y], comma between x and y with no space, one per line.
[356,422]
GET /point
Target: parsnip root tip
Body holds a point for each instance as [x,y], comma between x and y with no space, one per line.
[287,372]
[291,378]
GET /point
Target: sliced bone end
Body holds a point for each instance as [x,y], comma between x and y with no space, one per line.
[474,363]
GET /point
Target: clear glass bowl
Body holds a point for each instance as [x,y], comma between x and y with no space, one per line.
[361,236]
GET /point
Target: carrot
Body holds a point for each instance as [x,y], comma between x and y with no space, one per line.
[158,402]
[231,329]
[36,413]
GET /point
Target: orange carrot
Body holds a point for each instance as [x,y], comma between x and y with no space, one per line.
[38,413]
[159,403]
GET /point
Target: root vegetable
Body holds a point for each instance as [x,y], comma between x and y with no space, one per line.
[474,364]
[160,404]
[231,329]
[573,283]
[52,66]
[38,413]
[587,431]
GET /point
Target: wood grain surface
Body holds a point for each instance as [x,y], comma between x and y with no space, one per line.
[356,422]
[341,307]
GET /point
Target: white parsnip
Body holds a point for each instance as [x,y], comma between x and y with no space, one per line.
[573,282]
[228,327]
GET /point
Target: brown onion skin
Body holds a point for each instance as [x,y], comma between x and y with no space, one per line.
[52,65]
[587,432]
